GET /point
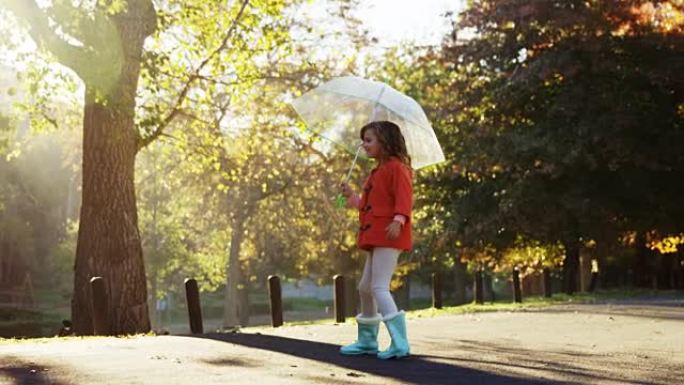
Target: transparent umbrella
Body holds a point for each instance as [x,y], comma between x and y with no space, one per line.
[337,109]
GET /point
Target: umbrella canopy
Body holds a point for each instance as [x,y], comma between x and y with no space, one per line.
[337,109]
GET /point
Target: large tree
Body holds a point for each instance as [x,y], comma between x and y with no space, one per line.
[103,46]
[105,43]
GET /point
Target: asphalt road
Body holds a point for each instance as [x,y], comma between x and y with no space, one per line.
[630,342]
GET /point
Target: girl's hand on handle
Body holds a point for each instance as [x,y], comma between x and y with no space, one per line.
[393,230]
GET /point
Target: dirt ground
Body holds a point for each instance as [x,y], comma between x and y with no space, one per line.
[626,342]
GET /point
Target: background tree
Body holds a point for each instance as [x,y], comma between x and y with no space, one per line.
[37,202]
[244,158]
[562,127]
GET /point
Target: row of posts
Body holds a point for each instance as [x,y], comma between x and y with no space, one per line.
[100,316]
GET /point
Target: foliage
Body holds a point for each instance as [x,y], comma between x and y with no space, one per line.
[667,244]
[530,257]
[247,194]
[561,121]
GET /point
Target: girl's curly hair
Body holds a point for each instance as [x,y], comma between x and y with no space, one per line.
[392,140]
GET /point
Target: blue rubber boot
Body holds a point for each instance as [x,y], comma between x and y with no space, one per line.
[396,325]
[367,341]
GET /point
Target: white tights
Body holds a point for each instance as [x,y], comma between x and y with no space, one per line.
[374,286]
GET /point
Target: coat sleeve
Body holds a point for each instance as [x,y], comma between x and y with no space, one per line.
[402,187]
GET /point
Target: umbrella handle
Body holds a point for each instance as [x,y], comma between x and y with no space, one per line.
[340,200]
[351,168]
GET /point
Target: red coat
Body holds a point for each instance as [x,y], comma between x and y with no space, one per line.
[387,191]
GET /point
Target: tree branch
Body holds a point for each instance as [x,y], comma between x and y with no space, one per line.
[44,35]
[195,75]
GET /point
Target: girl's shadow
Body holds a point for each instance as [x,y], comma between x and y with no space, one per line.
[414,369]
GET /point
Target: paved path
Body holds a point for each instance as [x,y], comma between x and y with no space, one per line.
[628,343]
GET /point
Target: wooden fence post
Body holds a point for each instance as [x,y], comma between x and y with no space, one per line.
[99,312]
[339,300]
[276,298]
[479,297]
[436,290]
[194,308]
[517,293]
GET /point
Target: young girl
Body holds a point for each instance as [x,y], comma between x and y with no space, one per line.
[385,231]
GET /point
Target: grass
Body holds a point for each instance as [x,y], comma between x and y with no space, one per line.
[539,301]
[504,305]
[423,308]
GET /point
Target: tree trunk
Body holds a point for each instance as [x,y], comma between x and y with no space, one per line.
[243,304]
[570,266]
[643,265]
[488,287]
[460,277]
[231,303]
[679,270]
[108,238]
[109,242]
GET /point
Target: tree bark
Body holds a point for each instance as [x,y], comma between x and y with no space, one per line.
[460,277]
[109,243]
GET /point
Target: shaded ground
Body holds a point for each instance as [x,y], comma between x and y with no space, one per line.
[623,343]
